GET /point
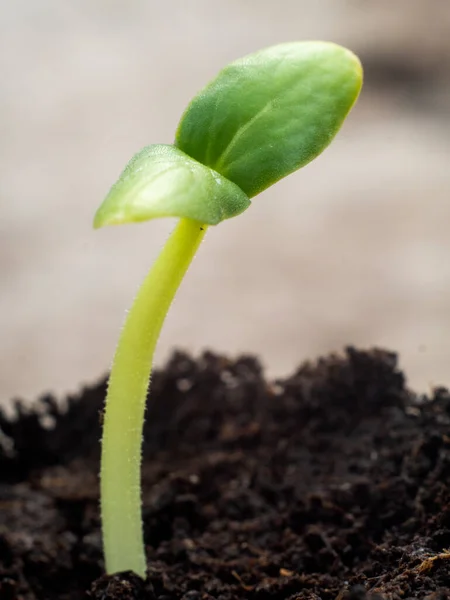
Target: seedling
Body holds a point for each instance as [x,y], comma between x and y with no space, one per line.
[263,117]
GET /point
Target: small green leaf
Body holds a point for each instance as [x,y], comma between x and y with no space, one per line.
[162,181]
[272,112]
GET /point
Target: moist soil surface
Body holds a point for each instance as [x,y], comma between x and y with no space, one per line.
[331,484]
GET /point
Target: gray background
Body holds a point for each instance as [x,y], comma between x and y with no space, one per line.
[353,249]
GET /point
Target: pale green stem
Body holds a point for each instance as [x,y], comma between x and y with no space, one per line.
[120,477]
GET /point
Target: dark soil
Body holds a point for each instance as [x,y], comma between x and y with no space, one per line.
[332,484]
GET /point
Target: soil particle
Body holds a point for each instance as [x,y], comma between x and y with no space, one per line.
[329,485]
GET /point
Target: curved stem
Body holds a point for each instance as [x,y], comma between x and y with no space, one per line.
[120,476]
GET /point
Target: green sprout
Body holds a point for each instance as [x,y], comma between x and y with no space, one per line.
[263,117]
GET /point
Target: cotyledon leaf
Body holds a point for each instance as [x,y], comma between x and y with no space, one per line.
[162,181]
[271,112]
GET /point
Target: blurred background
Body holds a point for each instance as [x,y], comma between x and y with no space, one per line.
[353,249]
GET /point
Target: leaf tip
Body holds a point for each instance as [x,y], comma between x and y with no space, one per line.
[104,217]
[98,221]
